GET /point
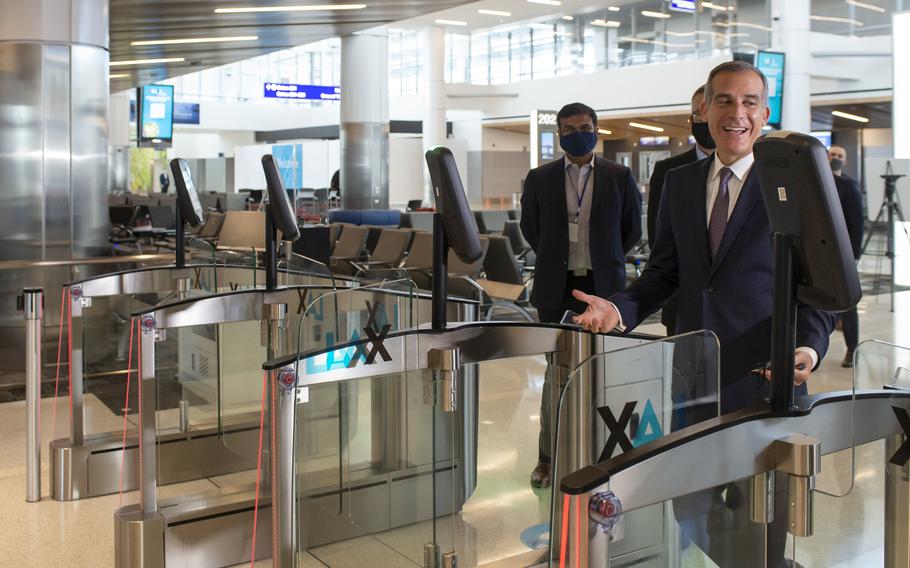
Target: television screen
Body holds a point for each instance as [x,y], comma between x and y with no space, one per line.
[156,113]
[771,64]
[547,145]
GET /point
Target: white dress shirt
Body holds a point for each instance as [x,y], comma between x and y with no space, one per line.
[740,170]
[579,188]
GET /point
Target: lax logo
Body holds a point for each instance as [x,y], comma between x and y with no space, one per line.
[375,331]
[641,428]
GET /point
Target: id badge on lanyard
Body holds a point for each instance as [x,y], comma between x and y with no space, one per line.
[573,223]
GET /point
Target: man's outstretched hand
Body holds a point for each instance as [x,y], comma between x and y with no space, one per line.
[600,316]
[802,368]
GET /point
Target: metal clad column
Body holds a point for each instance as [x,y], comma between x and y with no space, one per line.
[791,35]
[433,44]
[34,314]
[364,122]
[53,144]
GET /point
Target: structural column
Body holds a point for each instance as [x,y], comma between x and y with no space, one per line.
[53,148]
[364,122]
[791,35]
[432,42]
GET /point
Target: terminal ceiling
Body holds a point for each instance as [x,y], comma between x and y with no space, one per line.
[143,20]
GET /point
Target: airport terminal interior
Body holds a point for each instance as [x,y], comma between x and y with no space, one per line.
[290,283]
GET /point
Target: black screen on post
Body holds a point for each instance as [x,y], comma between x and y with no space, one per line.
[457,218]
[283,215]
[187,196]
[801,199]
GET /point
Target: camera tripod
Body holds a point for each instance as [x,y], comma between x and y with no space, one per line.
[891,208]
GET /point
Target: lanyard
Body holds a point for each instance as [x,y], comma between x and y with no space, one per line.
[584,188]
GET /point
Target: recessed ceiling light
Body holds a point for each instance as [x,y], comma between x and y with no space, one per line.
[606,23]
[194,40]
[311,8]
[646,127]
[118,75]
[836,20]
[849,116]
[652,14]
[147,61]
[604,131]
[451,23]
[568,18]
[872,7]
[714,6]
[613,8]
[546,2]
[743,25]
[494,13]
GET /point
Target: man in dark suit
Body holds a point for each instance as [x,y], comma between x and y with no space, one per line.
[704,147]
[851,201]
[713,247]
[581,215]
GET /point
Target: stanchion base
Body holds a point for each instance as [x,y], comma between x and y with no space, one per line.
[138,538]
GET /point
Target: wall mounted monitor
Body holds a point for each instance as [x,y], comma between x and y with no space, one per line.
[155,121]
[771,63]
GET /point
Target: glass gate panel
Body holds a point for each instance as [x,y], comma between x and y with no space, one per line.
[864,522]
[371,439]
[621,402]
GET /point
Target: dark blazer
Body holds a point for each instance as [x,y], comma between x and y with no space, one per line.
[731,295]
[851,201]
[614,228]
[655,186]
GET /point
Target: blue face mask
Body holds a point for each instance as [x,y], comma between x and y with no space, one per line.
[578,143]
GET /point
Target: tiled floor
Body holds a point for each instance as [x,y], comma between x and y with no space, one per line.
[848,530]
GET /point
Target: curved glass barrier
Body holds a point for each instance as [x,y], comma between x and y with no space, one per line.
[621,401]
[863,522]
[203,370]
[365,428]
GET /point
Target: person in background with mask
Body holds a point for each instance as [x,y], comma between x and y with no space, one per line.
[851,201]
[581,214]
[704,147]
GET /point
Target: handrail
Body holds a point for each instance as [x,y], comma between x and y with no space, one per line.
[764,423]
[20,264]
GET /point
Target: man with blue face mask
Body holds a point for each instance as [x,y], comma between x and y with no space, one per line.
[581,214]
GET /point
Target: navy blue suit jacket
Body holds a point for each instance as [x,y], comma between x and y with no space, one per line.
[614,228]
[731,295]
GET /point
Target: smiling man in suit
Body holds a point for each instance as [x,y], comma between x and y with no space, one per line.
[581,214]
[704,147]
[713,248]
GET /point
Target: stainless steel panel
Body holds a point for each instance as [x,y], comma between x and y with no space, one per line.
[89,135]
[55,97]
[21,152]
[138,539]
[365,165]
[89,22]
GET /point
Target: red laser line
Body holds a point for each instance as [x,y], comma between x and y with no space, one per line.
[564,532]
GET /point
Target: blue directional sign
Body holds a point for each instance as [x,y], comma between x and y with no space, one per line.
[687,6]
[772,65]
[301,92]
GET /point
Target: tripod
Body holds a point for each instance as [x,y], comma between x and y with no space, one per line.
[891,207]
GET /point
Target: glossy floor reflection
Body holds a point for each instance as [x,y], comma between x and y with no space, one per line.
[503,515]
